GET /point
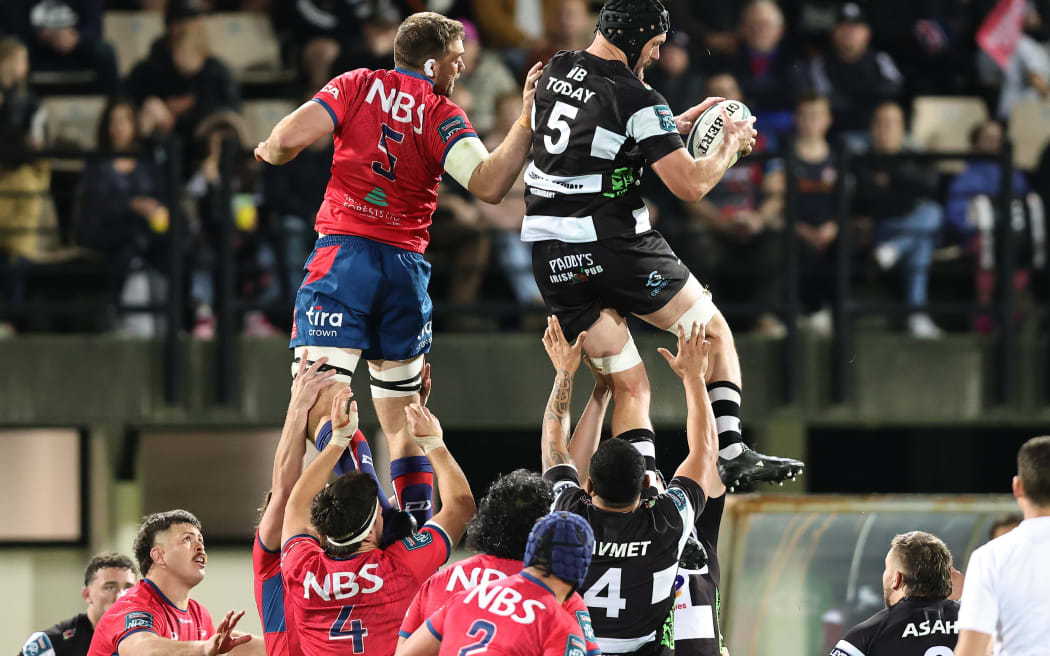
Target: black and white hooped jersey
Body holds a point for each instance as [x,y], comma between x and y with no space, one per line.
[697,630]
[629,588]
[595,125]
[910,627]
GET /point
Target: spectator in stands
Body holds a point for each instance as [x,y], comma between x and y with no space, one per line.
[854,76]
[742,218]
[515,24]
[121,216]
[460,246]
[711,24]
[898,195]
[816,226]
[1027,74]
[972,212]
[180,83]
[373,46]
[292,195]
[312,33]
[486,77]
[255,262]
[513,255]
[22,180]
[674,75]
[568,25]
[1004,524]
[768,71]
[64,35]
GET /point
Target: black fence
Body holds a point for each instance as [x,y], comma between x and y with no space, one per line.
[167,158]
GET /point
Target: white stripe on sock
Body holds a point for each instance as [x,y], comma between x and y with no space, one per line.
[731,451]
[724,394]
[728,423]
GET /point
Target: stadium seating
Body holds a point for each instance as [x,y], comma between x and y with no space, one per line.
[261,115]
[131,33]
[73,120]
[942,124]
[245,42]
[1030,131]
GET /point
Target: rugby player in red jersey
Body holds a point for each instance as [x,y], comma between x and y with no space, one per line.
[521,615]
[157,616]
[365,291]
[346,594]
[498,535]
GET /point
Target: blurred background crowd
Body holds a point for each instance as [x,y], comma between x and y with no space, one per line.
[121,118]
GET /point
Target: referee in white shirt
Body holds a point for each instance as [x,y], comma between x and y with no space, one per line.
[1006,596]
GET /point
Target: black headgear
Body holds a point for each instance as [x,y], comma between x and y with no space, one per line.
[629,24]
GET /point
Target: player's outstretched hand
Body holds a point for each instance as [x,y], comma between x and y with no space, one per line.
[424,427]
[740,135]
[225,638]
[691,359]
[685,120]
[344,412]
[425,382]
[562,355]
[528,94]
[308,383]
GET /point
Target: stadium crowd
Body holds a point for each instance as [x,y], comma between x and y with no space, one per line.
[892,78]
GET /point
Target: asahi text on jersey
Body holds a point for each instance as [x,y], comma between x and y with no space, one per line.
[398,104]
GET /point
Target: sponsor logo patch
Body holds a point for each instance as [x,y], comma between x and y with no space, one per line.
[584,618]
[450,127]
[417,541]
[138,620]
[575,646]
[666,116]
[678,497]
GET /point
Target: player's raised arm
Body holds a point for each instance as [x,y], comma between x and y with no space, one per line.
[308,123]
[690,363]
[566,360]
[588,431]
[489,176]
[457,501]
[691,179]
[344,424]
[288,459]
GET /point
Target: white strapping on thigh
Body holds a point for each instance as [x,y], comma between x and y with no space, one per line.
[701,312]
[628,357]
[400,381]
[345,363]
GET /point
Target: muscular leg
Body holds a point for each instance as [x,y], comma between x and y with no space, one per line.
[630,388]
[739,465]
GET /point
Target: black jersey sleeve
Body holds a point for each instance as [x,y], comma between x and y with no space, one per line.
[857,640]
[70,637]
[680,504]
[649,121]
[710,519]
[568,495]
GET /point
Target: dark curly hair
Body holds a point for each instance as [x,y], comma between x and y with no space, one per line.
[617,472]
[152,525]
[507,514]
[108,559]
[342,507]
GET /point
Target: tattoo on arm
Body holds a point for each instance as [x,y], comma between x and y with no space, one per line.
[556,422]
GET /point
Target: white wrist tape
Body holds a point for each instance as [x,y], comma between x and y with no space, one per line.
[429,442]
[341,436]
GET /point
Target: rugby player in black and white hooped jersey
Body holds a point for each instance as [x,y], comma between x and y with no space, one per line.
[595,256]
[629,588]
[920,618]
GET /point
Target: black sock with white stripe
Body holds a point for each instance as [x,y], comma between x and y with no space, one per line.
[725,402]
[644,440]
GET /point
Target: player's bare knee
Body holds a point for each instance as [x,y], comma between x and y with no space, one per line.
[631,385]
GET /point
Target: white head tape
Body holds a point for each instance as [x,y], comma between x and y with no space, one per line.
[360,535]
[428,67]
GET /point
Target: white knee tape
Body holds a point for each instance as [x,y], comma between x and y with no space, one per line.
[622,361]
[401,381]
[338,359]
[701,313]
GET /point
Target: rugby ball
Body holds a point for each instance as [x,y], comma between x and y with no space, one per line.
[707,133]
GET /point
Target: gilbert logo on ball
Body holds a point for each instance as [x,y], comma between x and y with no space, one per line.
[708,131]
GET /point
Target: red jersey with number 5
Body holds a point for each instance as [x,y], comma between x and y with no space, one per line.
[354,605]
[392,134]
[515,616]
